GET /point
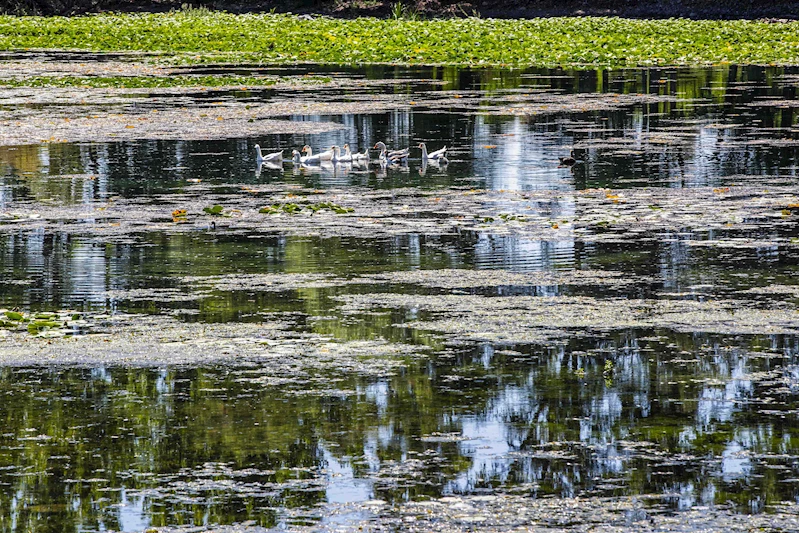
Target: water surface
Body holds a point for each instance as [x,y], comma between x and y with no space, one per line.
[678,419]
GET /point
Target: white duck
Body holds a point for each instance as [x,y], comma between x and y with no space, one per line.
[338,158]
[316,158]
[357,156]
[392,154]
[260,157]
[298,159]
[362,157]
[324,156]
[438,155]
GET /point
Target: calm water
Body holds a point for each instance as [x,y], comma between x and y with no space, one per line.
[684,418]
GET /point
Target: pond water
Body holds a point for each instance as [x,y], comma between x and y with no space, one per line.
[679,417]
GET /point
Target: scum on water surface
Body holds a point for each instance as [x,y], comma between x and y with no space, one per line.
[500,343]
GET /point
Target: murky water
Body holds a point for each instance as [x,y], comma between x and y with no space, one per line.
[679,419]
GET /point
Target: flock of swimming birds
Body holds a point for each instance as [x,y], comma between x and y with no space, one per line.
[386,156]
[335,155]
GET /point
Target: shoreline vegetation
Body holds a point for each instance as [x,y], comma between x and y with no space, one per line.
[191,36]
[506,9]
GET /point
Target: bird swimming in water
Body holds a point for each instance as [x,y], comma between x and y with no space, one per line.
[568,161]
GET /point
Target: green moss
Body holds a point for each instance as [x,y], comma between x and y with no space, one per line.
[199,36]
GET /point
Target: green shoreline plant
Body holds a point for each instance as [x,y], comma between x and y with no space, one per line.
[196,36]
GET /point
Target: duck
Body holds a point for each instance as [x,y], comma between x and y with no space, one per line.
[568,161]
[438,155]
[357,156]
[324,156]
[298,159]
[392,154]
[316,158]
[384,158]
[338,158]
[260,157]
[312,158]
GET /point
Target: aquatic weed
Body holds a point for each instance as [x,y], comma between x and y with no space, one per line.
[137,82]
[48,324]
[197,37]
[292,208]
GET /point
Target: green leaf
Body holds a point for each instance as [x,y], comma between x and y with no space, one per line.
[214,211]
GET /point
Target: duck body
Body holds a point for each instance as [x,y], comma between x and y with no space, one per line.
[385,158]
[298,159]
[339,158]
[392,154]
[568,161]
[439,155]
[324,156]
[356,156]
[315,159]
[361,156]
[261,157]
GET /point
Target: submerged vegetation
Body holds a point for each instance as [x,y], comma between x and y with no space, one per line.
[201,36]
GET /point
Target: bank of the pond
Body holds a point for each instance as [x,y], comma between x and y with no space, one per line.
[200,36]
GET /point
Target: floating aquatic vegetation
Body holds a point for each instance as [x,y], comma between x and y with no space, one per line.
[155,295]
[775,289]
[214,211]
[292,208]
[44,324]
[277,282]
[495,513]
[539,319]
[69,111]
[696,216]
[141,82]
[278,38]
[524,102]
[77,123]
[472,279]
[132,340]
